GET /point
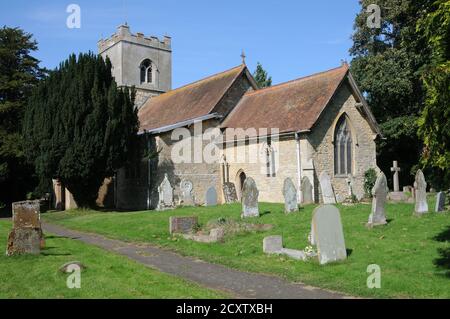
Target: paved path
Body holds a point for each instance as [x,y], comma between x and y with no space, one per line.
[240,284]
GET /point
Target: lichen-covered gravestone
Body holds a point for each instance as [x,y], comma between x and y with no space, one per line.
[229,192]
[440,202]
[328,234]
[420,185]
[187,196]
[182,225]
[26,237]
[379,193]
[165,191]
[250,193]
[211,197]
[290,196]
[307,191]
[327,189]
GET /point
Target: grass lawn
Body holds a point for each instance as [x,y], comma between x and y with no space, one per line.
[107,275]
[404,249]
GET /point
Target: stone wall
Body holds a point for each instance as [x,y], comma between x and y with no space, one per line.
[364,147]
[270,187]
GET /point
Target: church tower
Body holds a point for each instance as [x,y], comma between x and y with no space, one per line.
[145,62]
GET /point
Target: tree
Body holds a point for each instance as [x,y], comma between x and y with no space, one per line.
[386,65]
[434,122]
[261,76]
[19,73]
[79,127]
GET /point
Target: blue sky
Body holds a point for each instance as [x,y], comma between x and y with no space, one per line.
[291,38]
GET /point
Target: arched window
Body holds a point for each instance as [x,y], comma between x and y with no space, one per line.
[343,148]
[146,71]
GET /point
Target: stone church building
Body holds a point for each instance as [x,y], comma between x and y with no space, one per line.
[295,130]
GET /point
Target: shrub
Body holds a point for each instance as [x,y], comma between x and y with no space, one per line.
[370,177]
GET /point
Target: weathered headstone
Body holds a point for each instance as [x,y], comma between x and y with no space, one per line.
[420,185]
[290,196]
[328,234]
[165,191]
[327,189]
[211,197]
[272,244]
[307,189]
[229,192]
[379,193]
[26,237]
[440,202]
[182,225]
[187,196]
[250,193]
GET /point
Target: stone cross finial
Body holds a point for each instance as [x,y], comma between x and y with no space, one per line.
[243,56]
[396,169]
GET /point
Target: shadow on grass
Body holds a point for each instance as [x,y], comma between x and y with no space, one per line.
[443,261]
[265,213]
[349,252]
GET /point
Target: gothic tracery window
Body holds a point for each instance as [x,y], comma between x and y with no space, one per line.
[269,154]
[146,71]
[343,148]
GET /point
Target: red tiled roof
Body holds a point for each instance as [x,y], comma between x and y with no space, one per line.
[290,107]
[188,102]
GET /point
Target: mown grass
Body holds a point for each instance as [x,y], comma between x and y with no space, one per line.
[404,249]
[107,275]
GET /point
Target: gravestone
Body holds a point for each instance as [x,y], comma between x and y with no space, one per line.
[440,202]
[379,193]
[397,195]
[328,234]
[229,192]
[307,189]
[165,195]
[26,237]
[328,196]
[182,225]
[290,196]
[211,197]
[250,193]
[420,185]
[272,244]
[187,196]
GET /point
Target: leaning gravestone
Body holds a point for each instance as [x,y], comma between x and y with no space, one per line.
[328,234]
[379,193]
[187,196]
[26,237]
[211,197]
[327,189]
[440,202]
[250,195]
[165,195]
[307,191]
[290,196]
[229,192]
[183,225]
[420,185]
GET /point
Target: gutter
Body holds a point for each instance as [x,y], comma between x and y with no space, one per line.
[171,127]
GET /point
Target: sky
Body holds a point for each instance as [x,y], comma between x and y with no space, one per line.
[290,38]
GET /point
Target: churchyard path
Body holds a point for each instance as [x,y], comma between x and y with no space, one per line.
[238,283]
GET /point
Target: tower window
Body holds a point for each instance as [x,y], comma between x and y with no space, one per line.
[146,71]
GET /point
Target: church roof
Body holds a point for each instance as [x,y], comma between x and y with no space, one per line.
[189,102]
[293,106]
